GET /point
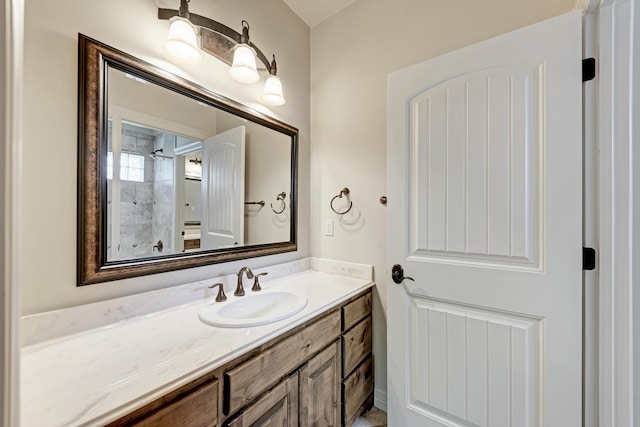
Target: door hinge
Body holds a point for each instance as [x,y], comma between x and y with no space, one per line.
[588,259]
[588,69]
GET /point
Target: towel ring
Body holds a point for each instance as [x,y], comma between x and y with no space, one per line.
[280,197]
[344,191]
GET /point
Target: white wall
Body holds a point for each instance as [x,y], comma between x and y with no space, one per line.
[48,224]
[351,55]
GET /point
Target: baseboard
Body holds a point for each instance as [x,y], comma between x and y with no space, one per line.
[380,399]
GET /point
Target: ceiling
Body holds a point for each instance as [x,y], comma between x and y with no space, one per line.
[315,11]
[312,12]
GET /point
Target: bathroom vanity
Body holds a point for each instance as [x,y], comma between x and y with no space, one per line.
[168,368]
[320,373]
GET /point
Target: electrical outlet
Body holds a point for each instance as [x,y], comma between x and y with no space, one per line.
[328,227]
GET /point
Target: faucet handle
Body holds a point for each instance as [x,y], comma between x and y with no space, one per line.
[256,285]
[221,295]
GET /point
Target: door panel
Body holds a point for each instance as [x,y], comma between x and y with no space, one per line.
[223,163]
[487,219]
[475,365]
[474,143]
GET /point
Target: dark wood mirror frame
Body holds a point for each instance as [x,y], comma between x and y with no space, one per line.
[93,267]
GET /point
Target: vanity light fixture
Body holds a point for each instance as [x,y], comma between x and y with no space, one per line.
[272,93]
[233,48]
[182,42]
[244,68]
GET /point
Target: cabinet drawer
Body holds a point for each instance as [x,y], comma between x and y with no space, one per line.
[356,310]
[245,382]
[199,408]
[357,391]
[278,407]
[356,344]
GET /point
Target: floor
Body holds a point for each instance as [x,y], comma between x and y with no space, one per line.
[373,418]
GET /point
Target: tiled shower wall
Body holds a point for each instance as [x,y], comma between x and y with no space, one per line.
[146,208]
[136,199]
[163,189]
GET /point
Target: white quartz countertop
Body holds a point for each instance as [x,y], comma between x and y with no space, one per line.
[96,376]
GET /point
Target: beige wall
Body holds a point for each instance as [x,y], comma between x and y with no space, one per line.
[268,174]
[50,143]
[351,55]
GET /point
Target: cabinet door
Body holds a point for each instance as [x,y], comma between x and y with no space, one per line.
[277,408]
[320,389]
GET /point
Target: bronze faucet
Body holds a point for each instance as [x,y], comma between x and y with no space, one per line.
[256,284]
[240,289]
[221,295]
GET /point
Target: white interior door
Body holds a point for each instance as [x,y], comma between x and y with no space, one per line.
[485,197]
[222,222]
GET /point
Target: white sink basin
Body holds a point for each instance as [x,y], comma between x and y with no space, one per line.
[253,309]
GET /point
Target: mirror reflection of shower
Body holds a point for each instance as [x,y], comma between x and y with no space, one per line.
[155,190]
[157,154]
[141,191]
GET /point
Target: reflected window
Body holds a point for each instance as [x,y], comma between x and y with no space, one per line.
[131,167]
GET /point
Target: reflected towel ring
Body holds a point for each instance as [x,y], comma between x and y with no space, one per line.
[344,191]
[280,197]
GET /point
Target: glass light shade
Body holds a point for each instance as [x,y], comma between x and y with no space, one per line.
[272,94]
[182,43]
[244,69]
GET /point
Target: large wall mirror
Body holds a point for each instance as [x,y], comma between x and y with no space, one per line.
[172,175]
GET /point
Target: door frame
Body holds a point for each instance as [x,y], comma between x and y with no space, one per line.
[590,230]
[11,55]
[614,26]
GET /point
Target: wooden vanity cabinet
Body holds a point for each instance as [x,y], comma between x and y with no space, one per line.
[320,374]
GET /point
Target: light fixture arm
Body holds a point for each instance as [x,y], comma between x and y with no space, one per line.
[203,21]
[273,67]
[244,38]
[183,12]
